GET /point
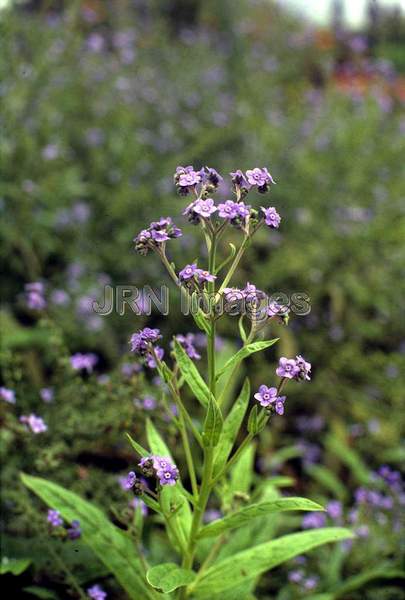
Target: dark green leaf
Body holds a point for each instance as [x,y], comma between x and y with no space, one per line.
[191,375]
[349,457]
[328,480]
[242,516]
[231,427]
[212,424]
[112,545]
[244,352]
[251,563]
[358,581]
[137,447]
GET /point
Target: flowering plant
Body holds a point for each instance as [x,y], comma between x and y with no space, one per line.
[207,420]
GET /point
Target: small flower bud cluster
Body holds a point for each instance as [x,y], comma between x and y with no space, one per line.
[192,274]
[131,482]
[55,521]
[142,340]
[157,234]
[187,180]
[160,467]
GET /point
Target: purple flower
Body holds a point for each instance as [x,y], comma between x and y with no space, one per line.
[128,482]
[275,309]
[149,403]
[266,395]
[141,340]
[96,593]
[34,293]
[252,294]
[287,368]
[204,276]
[186,177]
[212,514]
[81,361]
[150,359]
[295,576]
[238,178]
[188,341]
[7,395]
[314,520]
[74,532]
[46,394]
[271,217]
[259,177]
[188,272]
[167,475]
[243,210]
[54,518]
[129,369]
[204,208]
[334,509]
[36,424]
[311,582]
[228,210]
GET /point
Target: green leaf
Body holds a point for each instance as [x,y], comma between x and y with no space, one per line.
[252,425]
[40,592]
[242,471]
[328,480]
[349,457]
[112,546]
[244,352]
[15,566]
[281,481]
[212,424]
[168,577]
[156,444]
[191,375]
[358,581]
[251,563]
[242,516]
[231,427]
[137,447]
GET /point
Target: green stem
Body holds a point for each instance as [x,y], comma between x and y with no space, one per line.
[189,456]
[208,465]
[235,263]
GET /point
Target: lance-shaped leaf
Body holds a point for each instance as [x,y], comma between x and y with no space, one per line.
[137,447]
[169,576]
[212,424]
[191,375]
[244,515]
[243,353]
[112,545]
[326,478]
[231,427]
[349,457]
[358,581]
[251,563]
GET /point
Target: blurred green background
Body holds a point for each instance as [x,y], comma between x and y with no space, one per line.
[100,101]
